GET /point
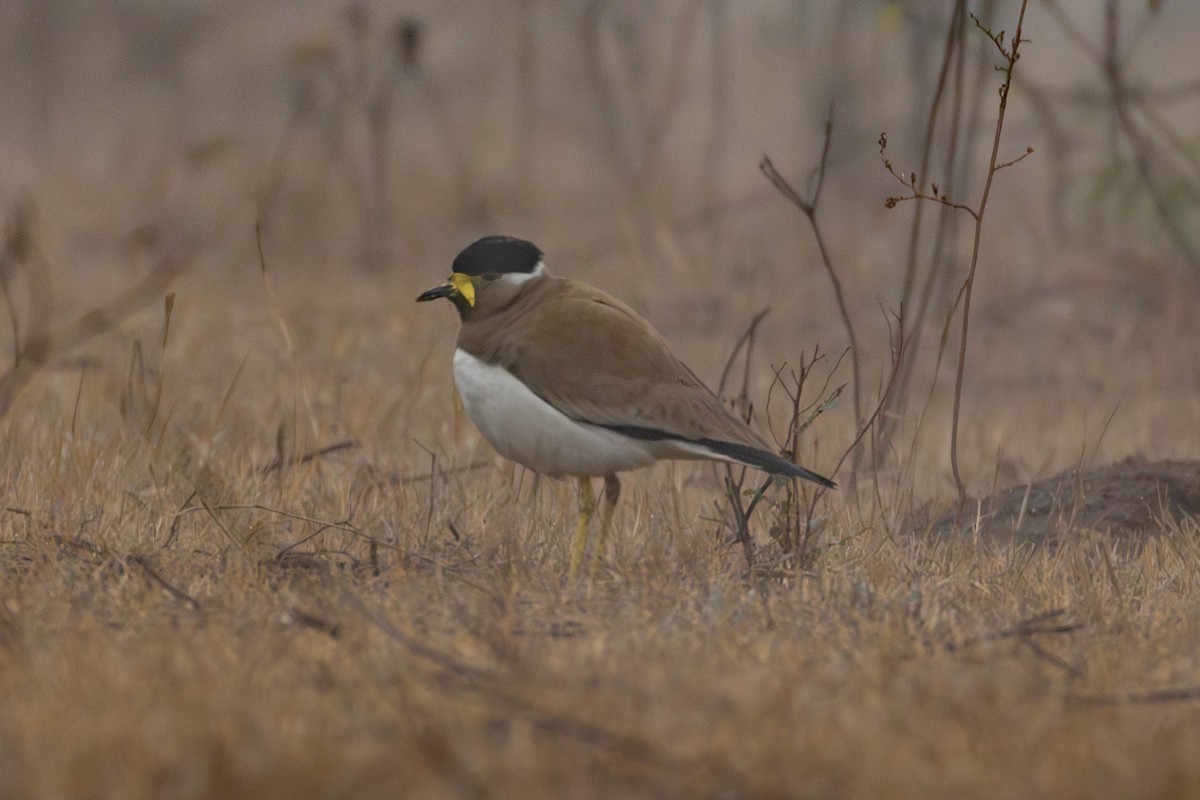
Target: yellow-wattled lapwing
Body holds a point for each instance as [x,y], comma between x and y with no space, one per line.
[568,381]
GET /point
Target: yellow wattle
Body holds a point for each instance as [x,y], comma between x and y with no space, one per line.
[463,285]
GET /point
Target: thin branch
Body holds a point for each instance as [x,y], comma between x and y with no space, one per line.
[154,577]
[952,57]
[741,520]
[915,192]
[809,209]
[1011,55]
[1050,658]
[742,341]
[975,247]
[213,516]
[320,452]
[38,352]
[1047,622]
[1028,152]
[409,480]
[1120,97]
[1136,698]
[276,308]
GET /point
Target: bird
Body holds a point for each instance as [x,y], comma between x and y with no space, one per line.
[569,381]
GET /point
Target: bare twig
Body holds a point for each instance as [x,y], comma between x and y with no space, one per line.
[1010,62]
[1136,698]
[304,458]
[409,480]
[743,341]
[36,353]
[294,616]
[636,116]
[277,310]
[912,182]
[741,521]
[809,208]
[178,594]
[1045,655]
[1125,102]
[212,514]
[174,531]
[911,321]
[1047,622]
[1143,148]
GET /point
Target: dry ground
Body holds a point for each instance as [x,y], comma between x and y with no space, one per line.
[190,607]
[1129,501]
[179,619]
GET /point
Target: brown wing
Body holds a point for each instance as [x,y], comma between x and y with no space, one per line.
[593,358]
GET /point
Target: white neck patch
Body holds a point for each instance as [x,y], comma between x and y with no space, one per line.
[518,278]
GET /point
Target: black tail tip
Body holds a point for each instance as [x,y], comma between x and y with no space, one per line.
[764,460]
[801,472]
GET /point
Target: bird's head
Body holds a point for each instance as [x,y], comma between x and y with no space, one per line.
[487,273]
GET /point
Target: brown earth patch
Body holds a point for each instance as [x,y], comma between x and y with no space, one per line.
[1129,500]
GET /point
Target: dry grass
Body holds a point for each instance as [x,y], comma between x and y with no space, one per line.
[192,607]
[177,621]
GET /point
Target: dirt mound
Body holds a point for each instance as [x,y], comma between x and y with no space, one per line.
[1129,500]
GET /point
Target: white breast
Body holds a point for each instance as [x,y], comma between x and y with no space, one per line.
[528,430]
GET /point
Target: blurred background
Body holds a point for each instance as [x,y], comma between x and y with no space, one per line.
[372,140]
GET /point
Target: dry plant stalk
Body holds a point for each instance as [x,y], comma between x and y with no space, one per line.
[41,341]
[802,414]
[340,89]
[912,182]
[1161,156]
[808,207]
[910,321]
[637,115]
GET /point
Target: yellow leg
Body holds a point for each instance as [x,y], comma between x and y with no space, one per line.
[612,490]
[587,507]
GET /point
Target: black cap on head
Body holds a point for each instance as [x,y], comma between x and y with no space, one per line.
[499,254]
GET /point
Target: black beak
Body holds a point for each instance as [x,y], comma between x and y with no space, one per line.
[445,290]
